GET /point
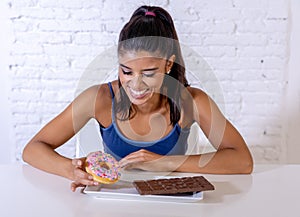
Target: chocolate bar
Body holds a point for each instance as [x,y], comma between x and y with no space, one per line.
[173,185]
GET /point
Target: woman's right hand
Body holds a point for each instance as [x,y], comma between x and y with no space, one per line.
[80,177]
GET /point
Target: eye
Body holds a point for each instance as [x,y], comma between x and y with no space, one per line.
[126,72]
[149,74]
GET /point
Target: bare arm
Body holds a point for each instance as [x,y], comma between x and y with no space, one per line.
[40,151]
[232,154]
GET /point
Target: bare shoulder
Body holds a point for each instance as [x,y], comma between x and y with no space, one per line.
[103,103]
[198,95]
[104,95]
[95,101]
[195,103]
[100,94]
[90,95]
[202,104]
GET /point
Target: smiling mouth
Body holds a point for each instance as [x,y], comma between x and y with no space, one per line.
[137,94]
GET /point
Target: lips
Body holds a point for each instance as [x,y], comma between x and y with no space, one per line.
[138,94]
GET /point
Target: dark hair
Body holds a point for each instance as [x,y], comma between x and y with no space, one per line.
[152,29]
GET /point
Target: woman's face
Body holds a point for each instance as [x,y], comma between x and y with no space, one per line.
[141,74]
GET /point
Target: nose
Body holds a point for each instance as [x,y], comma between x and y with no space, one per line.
[137,81]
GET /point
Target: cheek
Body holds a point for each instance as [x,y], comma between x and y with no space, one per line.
[155,82]
[122,78]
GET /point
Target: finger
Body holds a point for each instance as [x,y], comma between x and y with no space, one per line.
[139,152]
[75,185]
[77,162]
[139,156]
[132,160]
[135,154]
[130,166]
[86,181]
[80,174]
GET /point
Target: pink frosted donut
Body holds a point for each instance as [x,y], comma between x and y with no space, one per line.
[103,167]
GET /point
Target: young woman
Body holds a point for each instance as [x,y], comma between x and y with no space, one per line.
[145,116]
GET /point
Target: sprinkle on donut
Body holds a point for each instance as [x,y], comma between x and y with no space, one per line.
[103,167]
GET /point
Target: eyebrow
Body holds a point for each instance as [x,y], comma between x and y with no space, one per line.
[149,69]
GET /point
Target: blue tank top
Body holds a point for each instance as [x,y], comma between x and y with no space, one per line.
[119,146]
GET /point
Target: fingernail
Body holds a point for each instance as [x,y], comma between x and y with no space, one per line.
[96,183]
[91,177]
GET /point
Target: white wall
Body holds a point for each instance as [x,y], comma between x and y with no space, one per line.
[245,42]
[292,112]
[6,144]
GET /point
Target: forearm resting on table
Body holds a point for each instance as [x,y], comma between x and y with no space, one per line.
[43,157]
[226,161]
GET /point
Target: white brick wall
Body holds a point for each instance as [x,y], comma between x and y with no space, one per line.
[245,43]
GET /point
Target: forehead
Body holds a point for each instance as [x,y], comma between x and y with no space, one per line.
[128,57]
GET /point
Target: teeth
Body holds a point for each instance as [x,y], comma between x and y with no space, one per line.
[136,92]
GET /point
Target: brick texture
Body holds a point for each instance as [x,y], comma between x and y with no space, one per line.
[244,43]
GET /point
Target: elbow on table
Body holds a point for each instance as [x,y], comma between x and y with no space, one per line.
[240,163]
[26,155]
[246,166]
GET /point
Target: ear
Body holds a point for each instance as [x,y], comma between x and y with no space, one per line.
[170,63]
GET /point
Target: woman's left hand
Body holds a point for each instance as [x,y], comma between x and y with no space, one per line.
[144,160]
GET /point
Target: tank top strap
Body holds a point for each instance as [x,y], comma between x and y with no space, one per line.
[111,90]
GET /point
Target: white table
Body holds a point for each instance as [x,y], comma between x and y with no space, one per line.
[272,190]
